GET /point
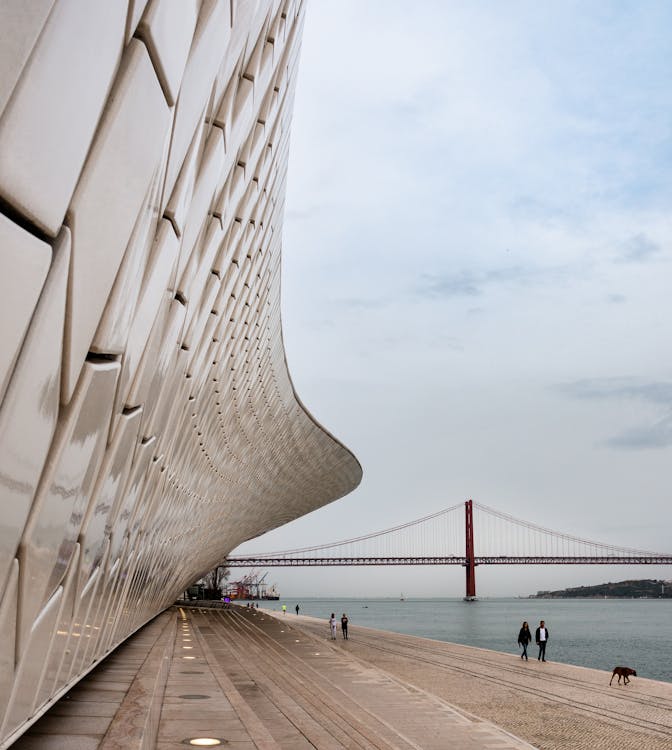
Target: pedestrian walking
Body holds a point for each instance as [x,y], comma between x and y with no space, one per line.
[344,626]
[284,609]
[524,637]
[297,608]
[541,637]
[332,626]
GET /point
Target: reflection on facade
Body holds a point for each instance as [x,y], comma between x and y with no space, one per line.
[148,423]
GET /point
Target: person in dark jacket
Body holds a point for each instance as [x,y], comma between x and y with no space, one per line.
[541,638]
[524,637]
[344,626]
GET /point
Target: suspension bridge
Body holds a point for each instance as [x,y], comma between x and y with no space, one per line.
[467,534]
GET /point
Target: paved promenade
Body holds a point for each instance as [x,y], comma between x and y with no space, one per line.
[550,705]
[257,679]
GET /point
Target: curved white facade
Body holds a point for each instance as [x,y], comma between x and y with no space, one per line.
[148,423]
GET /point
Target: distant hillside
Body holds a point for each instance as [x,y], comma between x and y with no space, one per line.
[647,588]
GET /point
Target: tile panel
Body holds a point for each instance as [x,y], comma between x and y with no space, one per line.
[68,75]
[29,413]
[24,264]
[108,198]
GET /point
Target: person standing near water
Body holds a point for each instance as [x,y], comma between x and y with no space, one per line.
[297,608]
[524,637]
[332,626]
[541,637]
[284,609]
[344,626]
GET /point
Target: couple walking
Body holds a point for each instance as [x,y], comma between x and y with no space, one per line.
[540,636]
[344,626]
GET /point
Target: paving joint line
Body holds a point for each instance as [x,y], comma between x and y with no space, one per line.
[324,707]
[257,731]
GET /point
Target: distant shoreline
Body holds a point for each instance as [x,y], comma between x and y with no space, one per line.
[647,588]
[592,597]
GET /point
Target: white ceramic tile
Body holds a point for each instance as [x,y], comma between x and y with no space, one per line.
[79,626]
[200,264]
[24,262]
[170,438]
[242,12]
[112,333]
[144,498]
[227,249]
[156,355]
[254,53]
[180,197]
[167,28]
[232,189]
[119,578]
[243,109]
[159,275]
[108,199]
[92,598]
[265,72]
[257,145]
[21,24]
[87,633]
[8,641]
[167,379]
[204,191]
[107,493]
[200,313]
[32,663]
[169,361]
[119,622]
[199,363]
[67,616]
[224,95]
[65,487]
[141,461]
[94,647]
[135,10]
[162,261]
[207,50]
[67,76]
[28,414]
[135,389]
[246,15]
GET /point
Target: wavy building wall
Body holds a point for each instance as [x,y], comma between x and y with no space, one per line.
[148,423]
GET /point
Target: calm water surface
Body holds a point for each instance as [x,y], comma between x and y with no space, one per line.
[599,633]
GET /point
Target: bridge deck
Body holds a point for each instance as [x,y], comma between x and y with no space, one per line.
[277,681]
[327,562]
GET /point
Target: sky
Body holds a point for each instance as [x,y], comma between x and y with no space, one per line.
[477,275]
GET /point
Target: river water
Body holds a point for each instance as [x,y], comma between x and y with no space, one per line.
[598,633]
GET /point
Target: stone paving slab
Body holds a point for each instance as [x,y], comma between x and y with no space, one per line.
[551,705]
[260,680]
[413,718]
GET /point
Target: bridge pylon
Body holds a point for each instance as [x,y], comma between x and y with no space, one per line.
[469,564]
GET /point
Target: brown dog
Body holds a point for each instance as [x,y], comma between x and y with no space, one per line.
[623,672]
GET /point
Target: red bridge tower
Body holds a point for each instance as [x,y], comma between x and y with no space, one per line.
[469,564]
